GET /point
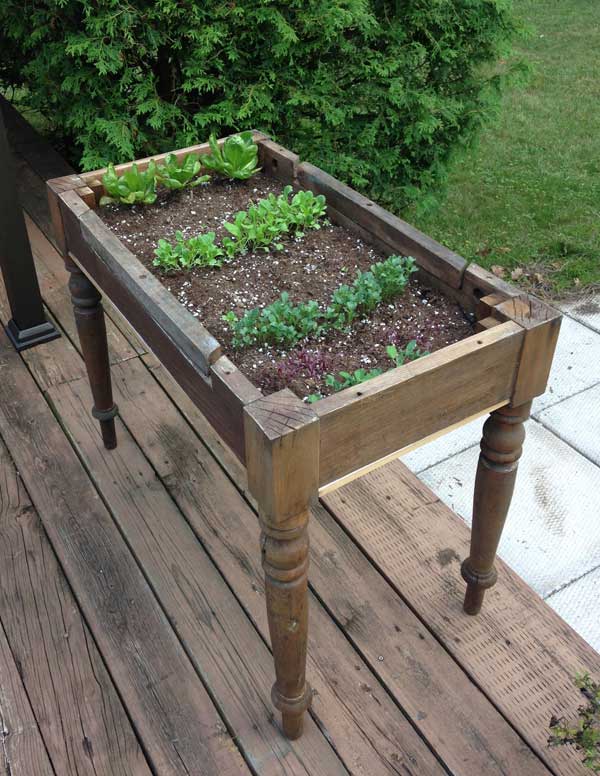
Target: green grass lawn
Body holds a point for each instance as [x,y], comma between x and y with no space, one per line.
[528,196]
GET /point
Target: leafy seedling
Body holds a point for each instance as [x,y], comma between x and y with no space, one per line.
[176,175]
[236,158]
[132,187]
[584,733]
[200,251]
[408,353]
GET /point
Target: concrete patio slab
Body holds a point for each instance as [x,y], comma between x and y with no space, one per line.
[586,310]
[578,605]
[576,364]
[577,421]
[446,446]
[552,534]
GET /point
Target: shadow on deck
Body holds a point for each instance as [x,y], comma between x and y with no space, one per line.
[134,638]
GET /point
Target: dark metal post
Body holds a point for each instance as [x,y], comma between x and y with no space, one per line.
[28,325]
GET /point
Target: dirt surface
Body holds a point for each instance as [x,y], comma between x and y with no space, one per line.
[307,268]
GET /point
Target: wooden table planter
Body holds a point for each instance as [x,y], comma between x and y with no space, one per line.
[294,451]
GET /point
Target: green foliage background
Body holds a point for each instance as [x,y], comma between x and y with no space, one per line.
[378,92]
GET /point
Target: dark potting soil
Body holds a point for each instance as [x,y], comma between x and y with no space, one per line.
[311,267]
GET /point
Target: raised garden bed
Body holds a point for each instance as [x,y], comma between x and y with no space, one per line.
[307,267]
[294,450]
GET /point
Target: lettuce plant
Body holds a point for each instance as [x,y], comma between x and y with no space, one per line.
[237,158]
[263,223]
[132,187]
[176,175]
[200,251]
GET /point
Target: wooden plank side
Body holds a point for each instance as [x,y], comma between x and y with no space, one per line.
[159,305]
[362,424]
[367,729]
[518,651]
[182,732]
[22,752]
[219,394]
[541,324]
[399,235]
[83,724]
[231,656]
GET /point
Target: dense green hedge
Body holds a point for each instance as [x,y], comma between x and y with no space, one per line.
[378,93]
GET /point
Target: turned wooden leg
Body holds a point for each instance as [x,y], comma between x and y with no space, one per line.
[282,447]
[501,447]
[89,317]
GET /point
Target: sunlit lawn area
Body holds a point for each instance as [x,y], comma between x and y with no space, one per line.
[529,195]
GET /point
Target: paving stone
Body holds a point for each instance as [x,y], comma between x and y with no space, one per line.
[579,605]
[576,364]
[577,421]
[552,535]
[586,310]
[450,444]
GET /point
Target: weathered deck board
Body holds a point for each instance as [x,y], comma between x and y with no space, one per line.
[22,752]
[366,728]
[517,650]
[218,637]
[446,718]
[81,718]
[170,708]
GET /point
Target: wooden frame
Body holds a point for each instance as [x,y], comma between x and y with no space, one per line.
[294,452]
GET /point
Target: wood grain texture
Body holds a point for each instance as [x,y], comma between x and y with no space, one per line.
[178,723]
[233,660]
[541,324]
[362,424]
[22,752]
[452,714]
[518,651]
[478,282]
[399,235]
[369,731]
[83,724]
[175,336]
[277,161]
[282,454]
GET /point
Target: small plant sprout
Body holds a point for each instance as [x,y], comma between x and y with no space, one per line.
[409,352]
[264,223]
[200,251]
[237,158]
[285,323]
[583,734]
[132,187]
[176,175]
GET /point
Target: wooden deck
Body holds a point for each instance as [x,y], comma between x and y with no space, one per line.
[134,638]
